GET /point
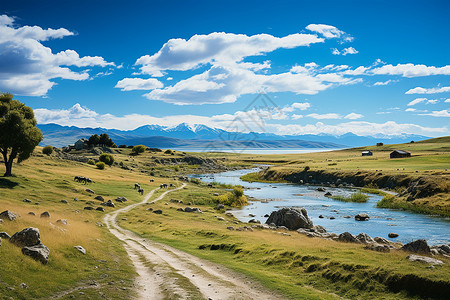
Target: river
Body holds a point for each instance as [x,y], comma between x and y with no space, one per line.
[410,226]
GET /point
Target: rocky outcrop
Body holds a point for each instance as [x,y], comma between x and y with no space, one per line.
[8,215]
[45,214]
[292,218]
[5,235]
[424,259]
[362,217]
[28,237]
[347,237]
[39,252]
[418,246]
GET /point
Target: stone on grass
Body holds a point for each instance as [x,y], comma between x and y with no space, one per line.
[62,221]
[188,209]
[121,199]
[89,208]
[39,252]
[381,240]
[99,198]
[100,209]
[45,214]
[428,260]
[158,211]
[27,200]
[347,237]
[28,237]
[378,247]
[4,235]
[31,213]
[220,206]
[81,249]
[292,218]
[364,238]
[418,246]
[90,191]
[8,215]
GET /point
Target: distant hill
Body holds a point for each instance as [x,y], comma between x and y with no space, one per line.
[196,136]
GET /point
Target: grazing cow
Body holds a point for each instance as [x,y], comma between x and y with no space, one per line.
[141,191]
[171,185]
[137,186]
[163,186]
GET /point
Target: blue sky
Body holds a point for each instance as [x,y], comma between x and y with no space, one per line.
[367,67]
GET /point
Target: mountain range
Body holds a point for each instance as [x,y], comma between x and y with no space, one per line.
[201,136]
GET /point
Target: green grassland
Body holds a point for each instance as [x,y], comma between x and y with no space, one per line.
[293,264]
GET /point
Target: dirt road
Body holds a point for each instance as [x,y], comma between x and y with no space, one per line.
[168,273]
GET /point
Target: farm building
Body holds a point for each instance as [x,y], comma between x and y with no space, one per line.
[366,153]
[81,144]
[380,144]
[400,154]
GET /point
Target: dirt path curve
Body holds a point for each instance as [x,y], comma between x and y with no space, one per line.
[168,273]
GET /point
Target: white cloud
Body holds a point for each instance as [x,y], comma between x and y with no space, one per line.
[384,82]
[447,101]
[131,84]
[353,116]
[417,101]
[324,116]
[441,113]
[329,31]
[301,106]
[345,51]
[434,101]
[410,109]
[296,117]
[217,48]
[27,66]
[411,70]
[421,90]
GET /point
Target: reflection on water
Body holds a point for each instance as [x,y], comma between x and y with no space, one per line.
[409,226]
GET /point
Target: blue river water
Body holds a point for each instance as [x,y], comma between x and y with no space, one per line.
[273,196]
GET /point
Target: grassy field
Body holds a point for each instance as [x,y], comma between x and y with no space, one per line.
[291,263]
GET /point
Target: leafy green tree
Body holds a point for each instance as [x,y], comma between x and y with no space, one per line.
[47,150]
[138,149]
[18,132]
[94,139]
[106,158]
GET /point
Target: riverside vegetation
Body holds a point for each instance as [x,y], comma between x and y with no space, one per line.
[292,264]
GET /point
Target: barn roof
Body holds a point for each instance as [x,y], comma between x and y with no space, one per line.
[401,152]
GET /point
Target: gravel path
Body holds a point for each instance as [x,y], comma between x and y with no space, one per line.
[168,273]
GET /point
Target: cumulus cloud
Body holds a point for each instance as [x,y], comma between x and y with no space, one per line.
[411,70]
[301,106]
[353,116]
[27,66]
[329,32]
[442,113]
[131,84]
[447,101]
[218,48]
[421,90]
[324,116]
[384,82]
[417,101]
[345,51]
[296,117]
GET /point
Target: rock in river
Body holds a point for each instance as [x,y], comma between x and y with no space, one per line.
[292,218]
[362,217]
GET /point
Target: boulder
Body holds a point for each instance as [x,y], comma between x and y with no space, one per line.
[8,215]
[216,194]
[444,249]
[328,194]
[381,240]
[81,249]
[31,213]
[378,247]
[28,237]
[188,209]
[321,217]
[418,246]
[39,252]
[180,209]
[89,208]
[100,198]
[121,199]
[251,215]
[347,237]
[319,229]
[364,238]
[64,201]
[220,206]
[158,211]
[4,235]
[266,216]
[90,191]
[27,200]
[62,222]
[292,218]
[424,259]
[392,235]
[321,189]
[100,209]
[45,214]
[362,217]
[254,221]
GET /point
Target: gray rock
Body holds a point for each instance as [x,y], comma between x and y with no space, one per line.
[328,194]
[28,237]
[319,229]
[62,221]
[365,238]
[254,221]
[347,237]
[424,259]
[121,199]
[5,235]
[158,211]
[266,215]
[180,209]
[31,213]
[321,189]
[89,208]
[321,217]
[230,228]
[81,249]
[378,247]
[8,215]
[45,214]
[392,235]
[292,218]
[27,200]
[251,215]
[220,219]
[220,206]
[23,285]
[64,201]
[90,191]
[444,249]
[418,246]
[216,194]
[39,252]
[381,240]
[100,198]
[188,209]
[362,217]
[100,209]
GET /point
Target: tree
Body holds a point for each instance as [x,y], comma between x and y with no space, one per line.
[94,140]
[18,132]
[47,150]
[138,149]
[106,158]
[100,165]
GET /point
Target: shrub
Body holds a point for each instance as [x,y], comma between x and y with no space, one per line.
[168,151]
[100,165]
[47,150]
[106,158]
[176,168]
[152,173]
[195,180]
[235,198]
[307,168]
[91,162]
[122,146]
[356,197]
[138,149]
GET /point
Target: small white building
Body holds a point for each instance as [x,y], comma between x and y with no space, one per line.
[366,153]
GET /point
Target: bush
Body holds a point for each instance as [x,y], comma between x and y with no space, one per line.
[356,197]
[168,151]
[122,146]
[91,162]
[106,158]
[47,150]
[235,198]
[195,180]
[176,168]
[307,168]
[100,165]
[138,149]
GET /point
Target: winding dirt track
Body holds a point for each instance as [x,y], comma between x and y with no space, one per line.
[168,273]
